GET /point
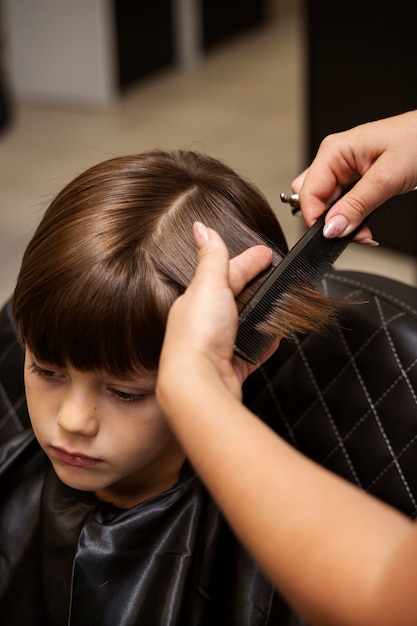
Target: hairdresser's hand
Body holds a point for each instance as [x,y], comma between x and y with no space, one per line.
[202,323]
[383,154]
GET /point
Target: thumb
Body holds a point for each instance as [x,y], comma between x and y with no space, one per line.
[213,256]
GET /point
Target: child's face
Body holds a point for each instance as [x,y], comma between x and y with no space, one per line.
[102,434]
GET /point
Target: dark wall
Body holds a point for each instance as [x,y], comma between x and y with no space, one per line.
[223,19]
[361,66]
[144,30]
[145,41]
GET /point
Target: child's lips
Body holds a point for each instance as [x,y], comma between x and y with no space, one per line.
[77,459]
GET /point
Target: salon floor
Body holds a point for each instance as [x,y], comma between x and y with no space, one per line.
[242,104]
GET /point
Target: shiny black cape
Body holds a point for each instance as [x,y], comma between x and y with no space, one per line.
[67,558]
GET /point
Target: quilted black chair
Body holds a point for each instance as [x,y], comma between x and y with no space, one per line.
[14,415]
[347,399]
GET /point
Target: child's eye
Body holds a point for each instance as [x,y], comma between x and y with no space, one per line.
[125,396]
[42,371]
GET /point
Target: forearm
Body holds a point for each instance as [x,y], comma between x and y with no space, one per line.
[338,555]
[326,545]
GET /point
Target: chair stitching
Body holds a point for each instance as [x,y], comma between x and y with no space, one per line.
[412,392]
[271,389]
[293,437]
[374,290]
[297,341]
[7,350]
[391,463]
[351,295]
[351,358]
[10,409]
[376,416]
[330,418]
[369,411]
[395,353]
[299,351]
[9,310]
[394,458]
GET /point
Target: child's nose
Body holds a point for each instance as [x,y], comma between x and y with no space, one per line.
[78,413]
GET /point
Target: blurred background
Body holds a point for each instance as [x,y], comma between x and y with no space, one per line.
[255,83]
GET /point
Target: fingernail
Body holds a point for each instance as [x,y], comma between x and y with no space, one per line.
[201,234]
[335,226]
[368,242]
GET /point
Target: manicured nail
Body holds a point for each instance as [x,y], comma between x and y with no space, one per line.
[368,242]
[335,226]
[201,234]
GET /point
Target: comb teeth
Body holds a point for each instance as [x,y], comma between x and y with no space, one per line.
[303,266]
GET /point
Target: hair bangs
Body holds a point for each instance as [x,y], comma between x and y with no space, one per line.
[105,320]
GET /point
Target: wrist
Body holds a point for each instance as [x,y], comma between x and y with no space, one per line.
[189,384]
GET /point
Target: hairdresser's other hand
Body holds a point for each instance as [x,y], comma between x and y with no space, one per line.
[202,323]
[382,153]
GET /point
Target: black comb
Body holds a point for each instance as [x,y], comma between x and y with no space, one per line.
[304,265]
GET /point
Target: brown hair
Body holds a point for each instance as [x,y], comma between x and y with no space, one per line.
[115,248]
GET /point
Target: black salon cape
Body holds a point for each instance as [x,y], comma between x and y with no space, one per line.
[67,558]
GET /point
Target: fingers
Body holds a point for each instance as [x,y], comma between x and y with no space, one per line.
[214,260]
[325,181]
[298,182]
[213,256]
[365,238]
[352,208]
[381,154]
[247,266]
[344,216]
[213,269]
